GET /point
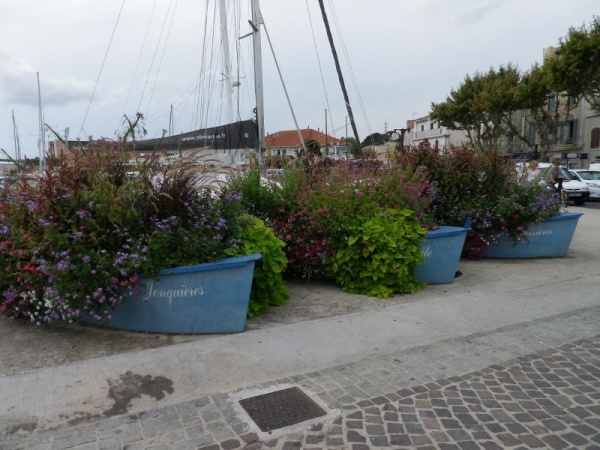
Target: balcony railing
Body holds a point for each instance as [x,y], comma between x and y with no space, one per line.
[428,133]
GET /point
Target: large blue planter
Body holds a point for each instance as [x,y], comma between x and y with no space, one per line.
[206,298]
[548,239]
[441,253]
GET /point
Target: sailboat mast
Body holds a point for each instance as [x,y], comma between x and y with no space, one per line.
[258,76]
[42,138]
[340,76]
[226,61]
[16,135]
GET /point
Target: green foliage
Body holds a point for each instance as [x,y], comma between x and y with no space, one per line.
[375,139]
[264,197]
[480,106]
[312,146]
[380,255]
[576,71]
[268,287]
[532,94]
[353,146]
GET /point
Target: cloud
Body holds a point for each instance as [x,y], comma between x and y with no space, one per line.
[478,11]
[114,96]
[19,85]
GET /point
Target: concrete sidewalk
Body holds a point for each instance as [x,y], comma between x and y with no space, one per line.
[350,355]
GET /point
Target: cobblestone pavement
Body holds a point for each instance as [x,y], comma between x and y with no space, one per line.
[533,385]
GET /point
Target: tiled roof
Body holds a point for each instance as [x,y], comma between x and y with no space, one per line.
[289,138]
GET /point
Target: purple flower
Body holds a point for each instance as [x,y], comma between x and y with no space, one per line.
[31,205]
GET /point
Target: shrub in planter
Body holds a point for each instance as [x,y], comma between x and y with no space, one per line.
[381,254]
[482,186]
[268,287]
[74,238]
[311,203]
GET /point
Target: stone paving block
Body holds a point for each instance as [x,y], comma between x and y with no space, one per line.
[109,443]
[543,398]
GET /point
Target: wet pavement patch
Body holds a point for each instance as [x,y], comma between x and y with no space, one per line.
[131,385]
[281,408]
[26,426]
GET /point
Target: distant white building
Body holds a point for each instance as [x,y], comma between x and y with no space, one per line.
[425,129]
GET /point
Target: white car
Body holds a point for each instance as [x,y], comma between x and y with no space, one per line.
[577,191]
[591,178]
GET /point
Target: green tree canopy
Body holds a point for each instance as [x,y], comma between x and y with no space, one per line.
[353,146]
[375,139]
[576,69]
[312,146]
[480,106]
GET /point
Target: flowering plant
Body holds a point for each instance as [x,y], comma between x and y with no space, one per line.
[313,204]
[481,186]
[75,237]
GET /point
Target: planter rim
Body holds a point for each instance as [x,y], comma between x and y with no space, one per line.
[446,230]
[225,263]
[563,216]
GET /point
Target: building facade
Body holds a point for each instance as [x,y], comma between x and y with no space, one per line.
[287,143]
[425,129]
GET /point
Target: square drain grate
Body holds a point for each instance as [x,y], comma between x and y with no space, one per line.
[281,408]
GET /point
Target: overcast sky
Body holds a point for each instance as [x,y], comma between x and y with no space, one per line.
[101,60]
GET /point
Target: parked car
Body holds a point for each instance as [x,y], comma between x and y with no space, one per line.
[577,191]
[591,178]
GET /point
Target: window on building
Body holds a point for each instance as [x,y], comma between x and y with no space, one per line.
[531,134]
[422,127]
[595,141]
[551,132]
[571,101]
[568,131]
[431,125]
[551,101]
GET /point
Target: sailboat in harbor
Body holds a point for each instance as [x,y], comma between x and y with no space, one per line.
[234,138]
[238,138]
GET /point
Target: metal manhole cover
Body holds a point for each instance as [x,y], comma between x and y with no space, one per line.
[281,408]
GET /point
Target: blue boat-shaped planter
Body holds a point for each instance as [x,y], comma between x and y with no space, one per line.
[441,253]
[205,298]
[548,239]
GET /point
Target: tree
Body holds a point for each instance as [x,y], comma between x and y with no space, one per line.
[535,95]
[312,146]
[576,69]
[352,146]
[374,139]
[480,106]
